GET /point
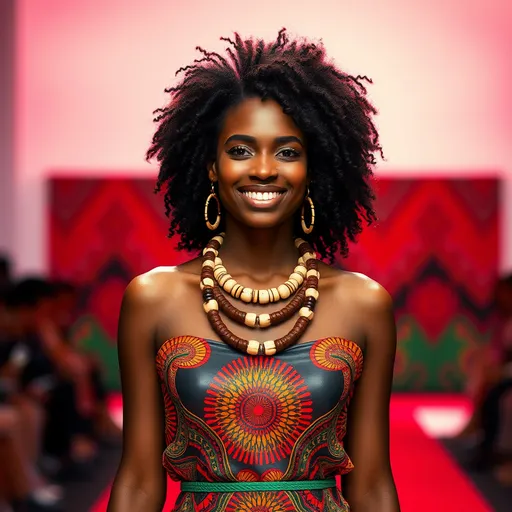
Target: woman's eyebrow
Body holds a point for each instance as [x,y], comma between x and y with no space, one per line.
[287,139]
[251,140]
[242,138]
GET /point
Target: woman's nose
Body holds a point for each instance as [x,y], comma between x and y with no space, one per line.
[265,168]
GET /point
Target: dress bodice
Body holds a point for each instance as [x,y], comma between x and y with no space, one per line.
[234,417]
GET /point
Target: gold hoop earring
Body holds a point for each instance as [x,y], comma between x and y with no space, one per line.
[308,229]
[216,224]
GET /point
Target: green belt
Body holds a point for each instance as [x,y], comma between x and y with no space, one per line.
[280,485]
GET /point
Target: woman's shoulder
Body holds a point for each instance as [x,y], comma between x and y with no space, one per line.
[169,282]
[356,288]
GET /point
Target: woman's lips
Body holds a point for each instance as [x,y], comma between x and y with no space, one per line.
[262,199]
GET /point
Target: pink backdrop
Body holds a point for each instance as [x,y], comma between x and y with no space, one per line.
[89,73]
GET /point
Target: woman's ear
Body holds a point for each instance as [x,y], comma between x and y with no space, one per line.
[212,172]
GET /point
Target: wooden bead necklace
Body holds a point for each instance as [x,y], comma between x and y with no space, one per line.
[237,291]
[259,320]
[253,347]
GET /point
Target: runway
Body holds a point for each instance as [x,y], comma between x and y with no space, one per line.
[427,477]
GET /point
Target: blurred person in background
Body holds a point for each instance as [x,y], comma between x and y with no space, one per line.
[65,296]
[488,359]
[22,418]
[498,384]
[51,373]
[5,271]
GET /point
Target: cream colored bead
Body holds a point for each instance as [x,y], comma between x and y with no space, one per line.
[264,297]
[297,277]
[201,286]
[284,291]
[210,306]
[270,347]
[298,242]
[218,272]
[218,261]
[300,261]
[264,320]
[308,256]
[253,347]
[311,292]
[207,281]
[246,295]
[274,294]
[207,249]
[301,270]
[224,279]
[250,319]
[208,263]
[307,313]
[294,283]
[219,238]
[313,273]
[230,283]
[237,291]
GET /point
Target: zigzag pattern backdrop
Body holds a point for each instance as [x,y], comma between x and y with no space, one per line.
[435,248]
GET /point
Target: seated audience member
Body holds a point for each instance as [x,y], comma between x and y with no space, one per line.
[487,361]
[51,374]
[65,300]
[21,424]
[500,382]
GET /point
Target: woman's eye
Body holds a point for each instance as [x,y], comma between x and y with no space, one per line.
[239,151]
[289,153]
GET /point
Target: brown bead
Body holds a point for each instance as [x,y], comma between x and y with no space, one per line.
[312,282]
[310,303]
[208,294]
[209,256]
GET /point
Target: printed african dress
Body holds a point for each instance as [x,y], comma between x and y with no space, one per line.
[233,417]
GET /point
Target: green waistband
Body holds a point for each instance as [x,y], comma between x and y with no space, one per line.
[280,485]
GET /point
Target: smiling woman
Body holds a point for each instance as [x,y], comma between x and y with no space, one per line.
[249,413]
[263,163]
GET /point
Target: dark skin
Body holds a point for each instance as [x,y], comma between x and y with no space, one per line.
[258,251]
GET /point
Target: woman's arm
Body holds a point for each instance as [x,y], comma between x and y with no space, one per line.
[140,483]
[370,486]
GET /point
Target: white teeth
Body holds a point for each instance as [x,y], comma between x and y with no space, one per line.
[262,196]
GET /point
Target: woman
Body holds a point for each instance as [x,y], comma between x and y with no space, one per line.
[280,145]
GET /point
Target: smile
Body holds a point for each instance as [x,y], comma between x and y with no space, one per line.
[262,199]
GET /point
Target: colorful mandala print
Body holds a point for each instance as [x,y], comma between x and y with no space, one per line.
[260,502]
[183,352]
[335,354]
[171,418]
[258,406]
[175,353]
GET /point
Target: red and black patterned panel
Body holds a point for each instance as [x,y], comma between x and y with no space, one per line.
[435,249]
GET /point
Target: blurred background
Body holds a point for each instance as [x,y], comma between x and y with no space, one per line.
[78,220]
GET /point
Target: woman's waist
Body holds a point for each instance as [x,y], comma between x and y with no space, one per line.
[258,486]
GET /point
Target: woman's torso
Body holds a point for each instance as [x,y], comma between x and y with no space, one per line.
[235,417]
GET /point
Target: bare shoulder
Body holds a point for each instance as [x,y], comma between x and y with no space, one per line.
[170,282]
[363,293]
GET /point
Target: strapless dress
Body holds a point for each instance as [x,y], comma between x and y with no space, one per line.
[233,417]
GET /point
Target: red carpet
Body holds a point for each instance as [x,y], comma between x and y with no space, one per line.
[426,478]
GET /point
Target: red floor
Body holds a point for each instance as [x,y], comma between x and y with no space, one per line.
[427,480]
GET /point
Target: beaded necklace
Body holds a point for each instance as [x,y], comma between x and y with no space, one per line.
[214,276]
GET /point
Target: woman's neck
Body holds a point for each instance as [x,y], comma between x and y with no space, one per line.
[258,252]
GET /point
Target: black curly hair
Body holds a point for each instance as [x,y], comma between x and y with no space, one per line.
[330,107]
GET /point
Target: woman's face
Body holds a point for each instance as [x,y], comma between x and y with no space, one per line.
[261,166]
